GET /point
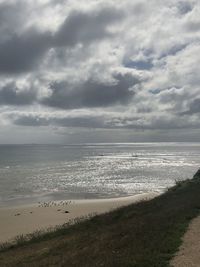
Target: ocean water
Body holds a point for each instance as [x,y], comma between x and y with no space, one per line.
[31,173]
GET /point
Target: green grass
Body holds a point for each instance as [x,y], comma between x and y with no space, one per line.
[146,234]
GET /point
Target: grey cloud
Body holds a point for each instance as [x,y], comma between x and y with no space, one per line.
[167,122]
[84,121]
[173,94]
[144,109]
[21,53]
[194,107]
[175,49]
[172,51]
[84,27]
[184,7]
[81,121]
[11,18]
[92,93]
[162,122]
[19,49]
[11,95]
[193,26]
[176,99]
[28,120]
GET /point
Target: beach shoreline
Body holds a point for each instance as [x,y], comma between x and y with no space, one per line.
[25,219]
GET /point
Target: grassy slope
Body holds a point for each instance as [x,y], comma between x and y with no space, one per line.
[146,234]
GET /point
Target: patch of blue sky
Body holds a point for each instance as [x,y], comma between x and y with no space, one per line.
[139,65]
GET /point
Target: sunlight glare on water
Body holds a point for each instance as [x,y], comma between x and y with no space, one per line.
[35,172]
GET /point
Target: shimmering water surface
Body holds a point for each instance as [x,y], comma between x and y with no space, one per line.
[30,173]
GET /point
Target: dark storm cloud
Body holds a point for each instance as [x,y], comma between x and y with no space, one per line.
[11,95]
[92,93]
[82,27]
[22,52]
[18,51]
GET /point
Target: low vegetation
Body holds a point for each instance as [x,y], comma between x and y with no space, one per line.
[146,234]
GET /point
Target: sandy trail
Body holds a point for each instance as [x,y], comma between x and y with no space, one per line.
[189,252]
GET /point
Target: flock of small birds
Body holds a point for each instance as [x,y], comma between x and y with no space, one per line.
[48,204]
[54,204]
[18,214]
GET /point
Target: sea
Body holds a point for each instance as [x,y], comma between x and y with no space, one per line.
[35,173]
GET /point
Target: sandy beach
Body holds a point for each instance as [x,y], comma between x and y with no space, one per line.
[27,219]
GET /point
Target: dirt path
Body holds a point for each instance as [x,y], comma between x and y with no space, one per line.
[189,252]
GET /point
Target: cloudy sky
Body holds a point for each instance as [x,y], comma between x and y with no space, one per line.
[99,71]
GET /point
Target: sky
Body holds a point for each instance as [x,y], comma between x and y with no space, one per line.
[84,71]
